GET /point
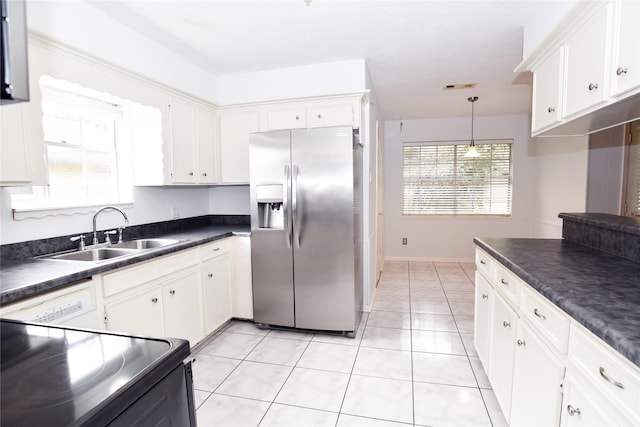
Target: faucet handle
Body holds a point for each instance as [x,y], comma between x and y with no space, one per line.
[107,240]
[120,234]
[81,246]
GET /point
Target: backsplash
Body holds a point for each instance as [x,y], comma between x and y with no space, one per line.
[34,248]
[617,235]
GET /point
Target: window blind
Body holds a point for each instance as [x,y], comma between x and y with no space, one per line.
[439,180]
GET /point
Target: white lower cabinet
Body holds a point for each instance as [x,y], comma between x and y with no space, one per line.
[216,293]
[181,303]
[482,312]
[501,351]
[544,367]
[140,313]
[537,382]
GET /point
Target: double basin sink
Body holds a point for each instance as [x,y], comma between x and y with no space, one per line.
[115,250]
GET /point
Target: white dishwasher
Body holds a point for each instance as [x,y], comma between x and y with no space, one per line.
[74,305]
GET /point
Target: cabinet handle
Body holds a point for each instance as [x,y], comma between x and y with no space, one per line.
[506,324]
[190,173]
[573,411]
[521,343]
[204,174]
[320,115]
[604,375]
[504,282]
[620,71]
[485,296]
[216,249]
[537,313]
[593,86]
[297,117]
[154,300]
[551,109]
[210,275]
[482,261]
[172,292]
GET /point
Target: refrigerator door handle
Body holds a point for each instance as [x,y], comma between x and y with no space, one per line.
[295,206]
[285,206]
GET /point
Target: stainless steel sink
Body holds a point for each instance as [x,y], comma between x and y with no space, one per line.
[93,255]
[142,244]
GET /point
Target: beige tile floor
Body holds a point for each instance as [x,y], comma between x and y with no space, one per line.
[412,363]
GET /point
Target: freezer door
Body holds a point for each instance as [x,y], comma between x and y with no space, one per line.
[271,256]
[323,228]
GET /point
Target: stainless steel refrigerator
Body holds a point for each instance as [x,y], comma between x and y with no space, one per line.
[306,228]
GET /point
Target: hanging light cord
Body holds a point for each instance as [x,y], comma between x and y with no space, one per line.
[473,100]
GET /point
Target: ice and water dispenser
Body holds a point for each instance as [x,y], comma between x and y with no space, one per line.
[270,209]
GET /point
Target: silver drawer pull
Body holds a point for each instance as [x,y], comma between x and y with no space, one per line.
[210,275]
[154,300]
[506,324]
[216,249]
[504,282]
[604,375]
[593,86]
[521,343]
[172,292]
[620,71]
[537,313]
[573,411]
[485,296]
[482,261]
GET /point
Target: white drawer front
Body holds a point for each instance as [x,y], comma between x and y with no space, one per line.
[484,263]
[506,281]
[547,319]
[615,376]
[214,249]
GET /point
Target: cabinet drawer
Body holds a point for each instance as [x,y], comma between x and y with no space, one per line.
[214,249]
[610,372]
[484,263]
[547,319]
[130,277]
[507,282]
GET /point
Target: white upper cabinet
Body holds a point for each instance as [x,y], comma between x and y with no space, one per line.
[14,155]
[625,65]
[312,113]
[285,117]
[587,61]
[205,133]
[587,72]
[547,91]
[235,126]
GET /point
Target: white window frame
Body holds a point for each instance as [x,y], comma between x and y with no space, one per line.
[453,209]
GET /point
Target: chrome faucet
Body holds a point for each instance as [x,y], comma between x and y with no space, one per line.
[95,216]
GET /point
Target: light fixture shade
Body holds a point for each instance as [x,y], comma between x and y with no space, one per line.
[472,152]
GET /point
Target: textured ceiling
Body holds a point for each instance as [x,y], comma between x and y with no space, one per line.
[411,48]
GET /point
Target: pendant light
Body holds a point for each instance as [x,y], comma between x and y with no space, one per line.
[472,151]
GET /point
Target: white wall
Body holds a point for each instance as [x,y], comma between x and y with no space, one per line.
[561,182]
[85,28]
[606,166]
[151,205]
[292,82]
[229,200]
[451,237]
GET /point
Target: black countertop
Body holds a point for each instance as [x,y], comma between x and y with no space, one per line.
[28,278]
[599,290]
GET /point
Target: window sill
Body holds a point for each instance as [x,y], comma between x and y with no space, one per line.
[37,213]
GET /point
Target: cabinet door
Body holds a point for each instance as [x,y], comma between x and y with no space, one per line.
[286,118]
[501,352]
[323,115]
[581,409]
[13,146]
[139,314]
[587,63]
[235,128]
[181,301]
[537,378]
[625,71]
[206,145]
[547,88]
[216,293]
[482,311]
[182,142]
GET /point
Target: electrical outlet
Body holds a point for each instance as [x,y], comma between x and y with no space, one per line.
[404,241]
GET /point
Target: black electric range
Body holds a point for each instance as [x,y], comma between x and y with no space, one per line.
[60,376]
